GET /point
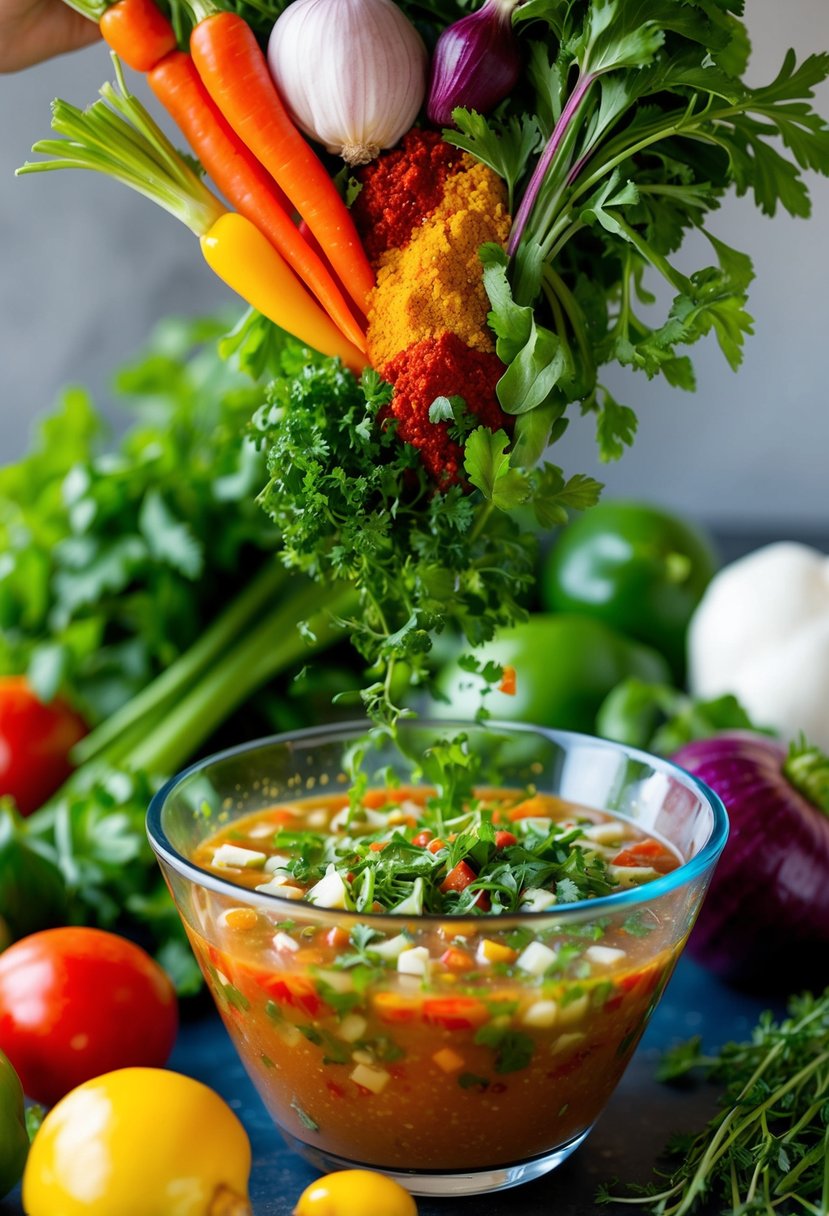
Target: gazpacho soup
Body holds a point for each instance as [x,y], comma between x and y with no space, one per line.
[402,986]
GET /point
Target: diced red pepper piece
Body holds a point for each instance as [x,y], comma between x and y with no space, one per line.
[457,960]
[435,846]
[455,1012]
[503,840]
[423,838]
[298,991]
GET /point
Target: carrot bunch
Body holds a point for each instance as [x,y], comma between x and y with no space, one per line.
[223,99]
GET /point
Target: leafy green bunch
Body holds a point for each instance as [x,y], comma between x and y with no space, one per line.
[632,123]
[353,503]
[115,554]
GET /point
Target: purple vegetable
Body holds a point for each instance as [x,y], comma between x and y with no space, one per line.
[765,921]
[476,63]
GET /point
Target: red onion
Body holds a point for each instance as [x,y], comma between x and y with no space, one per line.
[765,921]
[475,64]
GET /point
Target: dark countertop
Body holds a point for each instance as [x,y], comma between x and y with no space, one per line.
[624,1144]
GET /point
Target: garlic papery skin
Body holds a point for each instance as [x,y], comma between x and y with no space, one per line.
[352,73]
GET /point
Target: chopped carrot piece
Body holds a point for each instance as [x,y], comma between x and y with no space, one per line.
[508,681]
[448,1060]
[241,920]
[457,960]
[530,808]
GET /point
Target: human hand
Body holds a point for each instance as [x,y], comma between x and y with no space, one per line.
[34,30]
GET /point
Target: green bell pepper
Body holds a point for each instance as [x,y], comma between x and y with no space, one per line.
[637,568]
[565,666]
[14,1140]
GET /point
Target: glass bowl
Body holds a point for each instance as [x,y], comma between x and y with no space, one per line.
[452,1082]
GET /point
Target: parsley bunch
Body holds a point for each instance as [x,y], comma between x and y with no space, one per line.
[767,1151]
[353,503]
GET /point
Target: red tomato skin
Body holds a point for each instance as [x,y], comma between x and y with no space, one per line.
[76,1003]
[35,741]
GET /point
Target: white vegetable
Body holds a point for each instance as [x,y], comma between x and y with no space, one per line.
[330,891]
[414,961]
[535,958]
[235,857]
[368,76]
[761,632]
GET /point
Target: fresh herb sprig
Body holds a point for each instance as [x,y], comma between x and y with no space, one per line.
[635,123]
[767,1151]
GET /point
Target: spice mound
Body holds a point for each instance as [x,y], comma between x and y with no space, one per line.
[424,212]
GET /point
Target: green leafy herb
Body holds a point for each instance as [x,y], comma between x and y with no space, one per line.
[768,1148]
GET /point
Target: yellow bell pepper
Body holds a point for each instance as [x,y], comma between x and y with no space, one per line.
[246,261]
[139,1142]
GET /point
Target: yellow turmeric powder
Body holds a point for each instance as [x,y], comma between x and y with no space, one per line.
[435,285]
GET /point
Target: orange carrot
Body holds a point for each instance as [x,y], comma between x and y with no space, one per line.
[138,32]
[235,74]
[243,181]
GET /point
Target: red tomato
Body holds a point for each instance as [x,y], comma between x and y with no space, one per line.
[35,741]
[76,1003]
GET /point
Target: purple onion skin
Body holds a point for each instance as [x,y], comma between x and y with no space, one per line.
[764,924]
[475,64]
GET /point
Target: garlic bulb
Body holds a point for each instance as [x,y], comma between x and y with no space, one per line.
[352,73]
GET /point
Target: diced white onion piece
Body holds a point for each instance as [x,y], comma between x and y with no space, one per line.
[566,1041]
[260,830]
[362,820]
[276,862]
[317,819]
[605,956]
[536,899]
[631,876]
[414,961]
[284,941]
[233,855]
[536,958]
[541,1013]
[352,1027]
[573,1012]
[361,1056]
[279,885]
[330,891]
[412,905]
[605,833]
[373,1079]
[392,948]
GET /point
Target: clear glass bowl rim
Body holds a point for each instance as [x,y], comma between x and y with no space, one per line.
[695,867]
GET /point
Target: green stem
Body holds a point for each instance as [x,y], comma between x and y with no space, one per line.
[189,668]
[807,769]
[275,644]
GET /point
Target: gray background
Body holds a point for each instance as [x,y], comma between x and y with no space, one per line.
[86,267]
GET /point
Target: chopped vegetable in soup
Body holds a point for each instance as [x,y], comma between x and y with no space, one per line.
[363,1035]
[395,852]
